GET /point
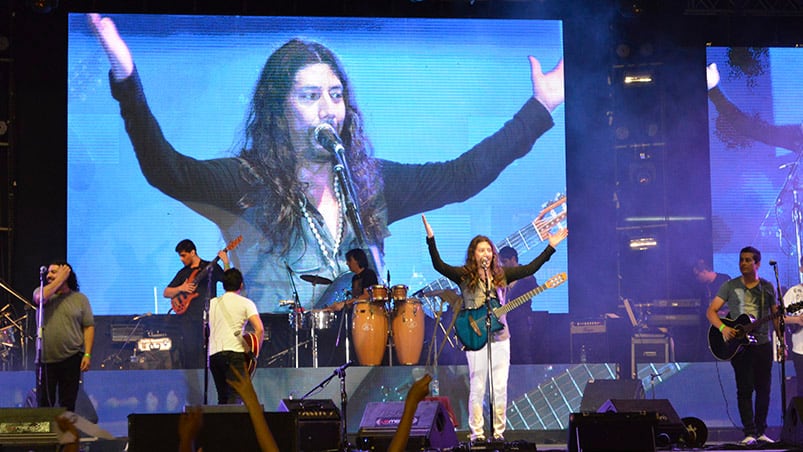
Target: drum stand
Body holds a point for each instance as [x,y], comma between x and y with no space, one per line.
[390,335]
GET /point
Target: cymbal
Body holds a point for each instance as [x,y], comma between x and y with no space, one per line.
[315,279]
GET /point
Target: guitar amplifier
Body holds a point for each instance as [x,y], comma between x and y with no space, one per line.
[310,408]
[588,341]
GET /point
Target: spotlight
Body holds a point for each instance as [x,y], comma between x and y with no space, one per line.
[643,243]
[43,6]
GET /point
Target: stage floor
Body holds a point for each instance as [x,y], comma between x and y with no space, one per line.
[540,397]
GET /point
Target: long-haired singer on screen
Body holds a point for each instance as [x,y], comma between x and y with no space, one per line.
[281,194]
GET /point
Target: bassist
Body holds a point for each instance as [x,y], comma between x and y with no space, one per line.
[480,278]
[193,290]
[754,296]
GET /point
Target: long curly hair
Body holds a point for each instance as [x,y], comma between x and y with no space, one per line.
[272,162]
[472,277]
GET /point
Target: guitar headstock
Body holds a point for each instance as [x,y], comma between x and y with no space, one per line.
[556,280]
[233,244]
[552,217]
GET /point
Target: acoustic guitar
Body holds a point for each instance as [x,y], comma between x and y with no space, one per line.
[252,349]
[744,326]
[181,302]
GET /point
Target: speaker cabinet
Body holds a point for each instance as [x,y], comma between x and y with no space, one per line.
[598,392]
[432,428]
[225,432]
[619,432]
[669,427]
[792,433]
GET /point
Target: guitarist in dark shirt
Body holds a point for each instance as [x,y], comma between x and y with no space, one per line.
[483,280]
[193,293]
[752,366]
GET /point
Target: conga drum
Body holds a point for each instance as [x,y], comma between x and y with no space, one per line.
[369,332]
[379,293]
[408,330]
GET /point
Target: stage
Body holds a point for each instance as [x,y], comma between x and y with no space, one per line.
[540,400]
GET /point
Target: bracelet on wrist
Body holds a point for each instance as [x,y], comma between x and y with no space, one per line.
[87,355]
[721,327]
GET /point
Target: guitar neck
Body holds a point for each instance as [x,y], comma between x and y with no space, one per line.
[518,301]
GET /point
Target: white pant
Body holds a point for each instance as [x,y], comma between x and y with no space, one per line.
[478,378]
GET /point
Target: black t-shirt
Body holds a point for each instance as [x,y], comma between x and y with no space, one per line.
[196,307]
[363,280]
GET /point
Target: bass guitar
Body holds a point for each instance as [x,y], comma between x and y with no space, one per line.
[181,302]
[252,349]
[470,323]
[744,326]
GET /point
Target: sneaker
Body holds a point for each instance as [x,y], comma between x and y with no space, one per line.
[499,438]
[764,439]
[748,440]
[476,438]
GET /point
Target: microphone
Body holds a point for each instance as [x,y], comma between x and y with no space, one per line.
[142,316]
[287,266]
[326,135]
[340,369]
[388,277]
[286,302]
[484,262]
[787,165]
[43,269]
[773,263]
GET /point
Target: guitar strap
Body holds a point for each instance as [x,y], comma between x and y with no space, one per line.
[225,312]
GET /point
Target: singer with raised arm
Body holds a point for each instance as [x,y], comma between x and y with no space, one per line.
[482,278]
[68,333]
[280,192]
[747,295]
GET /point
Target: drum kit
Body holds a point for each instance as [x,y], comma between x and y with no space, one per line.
[10,330]
[387,319]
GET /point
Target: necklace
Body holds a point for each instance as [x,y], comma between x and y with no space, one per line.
[330,257]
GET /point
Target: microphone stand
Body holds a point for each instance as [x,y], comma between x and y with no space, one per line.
[297,313]
[209,285]
[340,372]
[781,341]
[488,308]
[40,319]
[343,174]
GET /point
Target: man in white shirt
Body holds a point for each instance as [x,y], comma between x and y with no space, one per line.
[227,317]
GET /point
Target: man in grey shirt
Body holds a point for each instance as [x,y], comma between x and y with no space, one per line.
[68,333]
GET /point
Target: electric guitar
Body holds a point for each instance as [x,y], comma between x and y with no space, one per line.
[181,302]
[252,349]
[744,325]
[552,217]
[470,323]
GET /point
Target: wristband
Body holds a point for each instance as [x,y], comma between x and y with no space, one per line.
[87,355]
[721,327]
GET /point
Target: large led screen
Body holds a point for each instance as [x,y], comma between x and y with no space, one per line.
[446,119]
[756,143]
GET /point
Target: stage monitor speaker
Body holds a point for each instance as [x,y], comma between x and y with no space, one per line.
[29,426]
[432,428]
[616,432]
[792,433]
[310,408]
[224,432]
[599,391]
[669,427]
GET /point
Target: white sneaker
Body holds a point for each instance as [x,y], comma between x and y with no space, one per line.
[764,439]
[748,440]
